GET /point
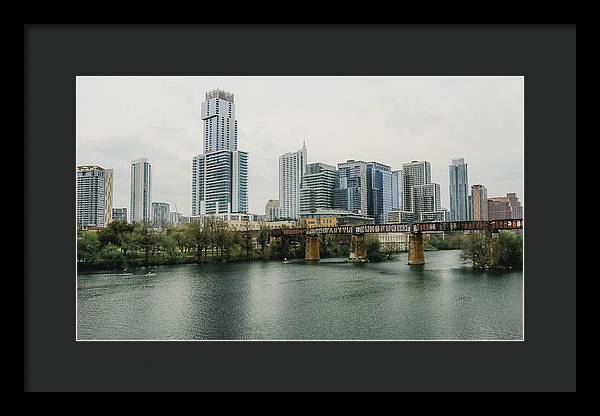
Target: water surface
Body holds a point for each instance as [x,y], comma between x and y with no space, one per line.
[442,300]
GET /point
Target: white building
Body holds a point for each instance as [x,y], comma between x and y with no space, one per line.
[220,174]
[94,196]
[291,170]
[141,190]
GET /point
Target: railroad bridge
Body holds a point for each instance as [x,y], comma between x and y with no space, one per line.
[416,253]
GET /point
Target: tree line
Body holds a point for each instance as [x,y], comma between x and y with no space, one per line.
[122,245]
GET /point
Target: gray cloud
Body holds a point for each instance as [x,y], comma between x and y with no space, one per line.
[387,119]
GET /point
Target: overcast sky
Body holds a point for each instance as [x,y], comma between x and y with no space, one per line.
[391,120]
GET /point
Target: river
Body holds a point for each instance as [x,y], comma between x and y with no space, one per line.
[333,300]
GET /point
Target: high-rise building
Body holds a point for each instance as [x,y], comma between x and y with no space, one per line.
[91,196]
[108,195]
[351,189]
[318,183]
[379,191]
[291,170]
[421,197]
[272,210]
[160,214]
[426,197]
[220,173]
[479,203]
[141,190]
[414,173]
[504,207]
[397,190]
[119,214]
[459,191]
[220,125]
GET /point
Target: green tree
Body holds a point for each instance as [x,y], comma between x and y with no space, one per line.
[373,248]
[88,247]
[510,250]
[478,248]
[112,256]
[147,239]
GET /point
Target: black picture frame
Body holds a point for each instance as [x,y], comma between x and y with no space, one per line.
[53,55]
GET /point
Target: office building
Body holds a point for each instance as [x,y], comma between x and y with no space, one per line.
[108,196]
[351,188]
[160,214]
[479,203]
[318,183]
[272,210]
[505,207]
[459,191]
[291,170]
[379,191]
[415,173]
[220,173]
[397,190]
[91,197]
[119,214]
[141,190]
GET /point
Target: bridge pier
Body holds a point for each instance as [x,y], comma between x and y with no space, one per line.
[416,253]
[312,251]
[358,251]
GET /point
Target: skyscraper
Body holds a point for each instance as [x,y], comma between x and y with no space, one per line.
[421,198]
[91,196]
[220,173]
[379,191]
[351,190]
[415,173]
[291,170]
[459,191]
[141,190]
[397,190]
[317,187]
[479,203]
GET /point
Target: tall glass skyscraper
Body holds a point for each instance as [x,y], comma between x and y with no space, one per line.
[459,191]
[379,191]
[141,190]
[397,190]
[351,192]
[291,171]
[220,173]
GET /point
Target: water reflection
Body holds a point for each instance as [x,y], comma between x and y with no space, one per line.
[443,299]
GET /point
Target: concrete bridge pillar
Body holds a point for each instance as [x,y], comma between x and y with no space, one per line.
[312,251]
[358,251]
[416,253]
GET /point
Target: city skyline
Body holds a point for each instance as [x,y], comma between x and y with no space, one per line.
[167,110]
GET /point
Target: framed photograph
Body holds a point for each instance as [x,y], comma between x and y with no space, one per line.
[306,208]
